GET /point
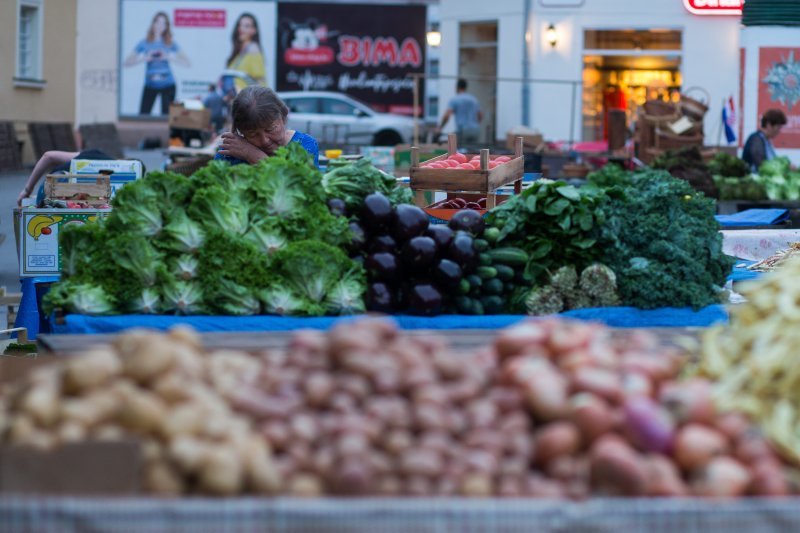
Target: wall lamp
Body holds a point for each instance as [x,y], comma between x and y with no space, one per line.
[434,36]
[551,36]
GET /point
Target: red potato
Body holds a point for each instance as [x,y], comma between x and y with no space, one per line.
[616,469]
[768,479]
[477,485]
[733,425]
[418,486]
[486,439]
[453,163]
[352,477]
[506,399]
[461,158]
[502,159]
[546,394]
[473,205]
[591,414]
[466,166]
[604,383]
[476,165]
[436,440]
[555,439]
[722,477]
[537,486]
[493,164]
[663,479]
[519,339]
[688,401]
[696,445]
[752,447]
[421,462]
[510,487]
[636,384]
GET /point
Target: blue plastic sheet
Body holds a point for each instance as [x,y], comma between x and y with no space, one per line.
[753,217]
[623,317]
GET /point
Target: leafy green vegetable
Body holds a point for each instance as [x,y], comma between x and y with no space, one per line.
[182,234]
[687,164]
[185,267]
[354,182]
[728,165]
[82,298]
[778,180]
[281,300]
[184,298]
[346,297]
[147,303]
[234,299]
[137,208]
[661,239]
[552,222]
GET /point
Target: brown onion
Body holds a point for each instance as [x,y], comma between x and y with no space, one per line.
[696,445]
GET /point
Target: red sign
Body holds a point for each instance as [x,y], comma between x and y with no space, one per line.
[714,7]
[779,88]
[321,55]
[199,18]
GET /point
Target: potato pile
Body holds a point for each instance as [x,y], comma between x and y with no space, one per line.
[162,390]
[551,408]
[613,412]
[753,362]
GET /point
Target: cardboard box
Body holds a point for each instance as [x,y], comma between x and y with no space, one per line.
[121,171]
[529,140]
[81,468]
[37,236]
[188,119]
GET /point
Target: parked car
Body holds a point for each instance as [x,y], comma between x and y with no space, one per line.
[335,118]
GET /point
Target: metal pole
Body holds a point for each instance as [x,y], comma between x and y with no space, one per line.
[416,110]
[572,116]
[526,64]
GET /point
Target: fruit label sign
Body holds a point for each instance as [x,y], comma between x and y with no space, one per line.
[37,237]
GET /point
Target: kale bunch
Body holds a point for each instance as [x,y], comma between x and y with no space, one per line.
[661,239]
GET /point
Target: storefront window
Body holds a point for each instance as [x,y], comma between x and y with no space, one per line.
[624,68]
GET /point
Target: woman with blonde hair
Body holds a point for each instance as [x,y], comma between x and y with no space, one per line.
[157,50]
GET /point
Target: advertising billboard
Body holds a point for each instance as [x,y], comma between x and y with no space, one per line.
[172,50]
[364,50]
[779,88]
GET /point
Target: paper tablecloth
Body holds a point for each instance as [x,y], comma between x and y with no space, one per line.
[757,244]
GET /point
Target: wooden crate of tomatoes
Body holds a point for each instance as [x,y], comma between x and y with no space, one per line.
[482,173]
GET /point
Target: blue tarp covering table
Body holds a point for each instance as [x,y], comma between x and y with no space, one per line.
[753,217]
[623,317]
[740,272]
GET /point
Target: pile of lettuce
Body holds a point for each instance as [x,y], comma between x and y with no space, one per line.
[778,179]
[229,240]
[660,238]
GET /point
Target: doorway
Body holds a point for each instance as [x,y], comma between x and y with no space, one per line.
[477,57]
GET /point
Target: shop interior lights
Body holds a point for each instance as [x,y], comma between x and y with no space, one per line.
[551,36]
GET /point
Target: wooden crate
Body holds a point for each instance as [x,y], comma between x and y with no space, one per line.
[66,187]
[483,181]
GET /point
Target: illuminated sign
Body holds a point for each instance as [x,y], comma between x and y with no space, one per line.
[714,7]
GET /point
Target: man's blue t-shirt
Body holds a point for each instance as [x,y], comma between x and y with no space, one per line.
[158,74]
[308,142]
[465,109]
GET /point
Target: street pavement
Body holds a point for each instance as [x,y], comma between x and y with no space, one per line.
[11,184]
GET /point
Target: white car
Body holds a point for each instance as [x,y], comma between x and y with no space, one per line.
[335,118]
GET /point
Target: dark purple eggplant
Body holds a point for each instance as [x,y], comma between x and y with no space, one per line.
[377,211]
[337,207]
[382,243]
[382,266]
[379,298]
[447,274]
[441,234]
[358,238]
[419,254]
[409,221]
[463,252]
[469,221]
[424,299]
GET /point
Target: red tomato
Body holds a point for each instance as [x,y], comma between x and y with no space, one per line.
[475,158]
[452,163]
[493,164]
[461,158]
[46,231]
[466,166]
[503,159]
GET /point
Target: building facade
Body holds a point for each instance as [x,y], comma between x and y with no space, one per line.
[38,54]
[584,57]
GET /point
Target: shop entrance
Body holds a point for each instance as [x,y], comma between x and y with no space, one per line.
[477,57]
[624,68]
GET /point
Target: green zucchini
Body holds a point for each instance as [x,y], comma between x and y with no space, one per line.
[486,272]
[493,286]
[504,272]
[509,255]
[480,245]
[491,234]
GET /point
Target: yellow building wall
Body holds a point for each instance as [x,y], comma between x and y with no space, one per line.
[55,102]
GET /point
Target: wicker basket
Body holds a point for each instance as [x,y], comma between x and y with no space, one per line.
[669,141]
[692,108]
[658,108]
